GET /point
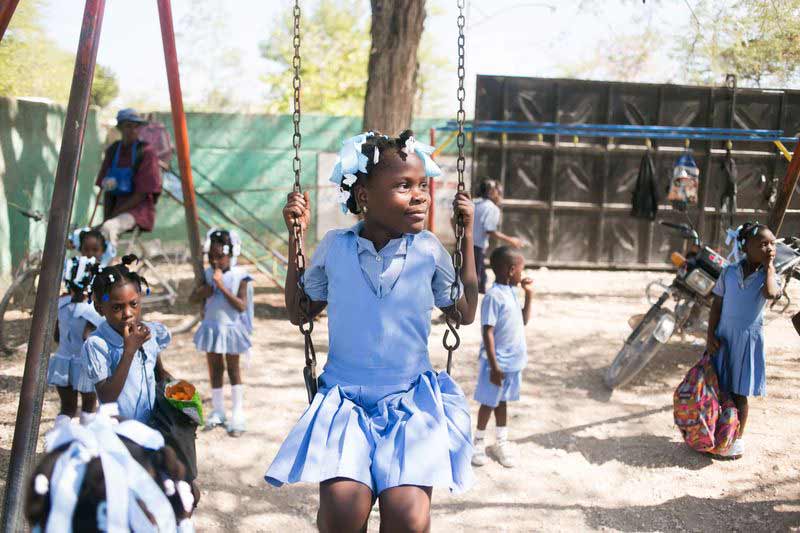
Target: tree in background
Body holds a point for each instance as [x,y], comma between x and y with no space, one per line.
[336,49]
[758,40]
[209,65]
[104,86]
[393,64]
[31,64]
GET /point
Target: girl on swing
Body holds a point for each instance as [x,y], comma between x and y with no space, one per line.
[383,425]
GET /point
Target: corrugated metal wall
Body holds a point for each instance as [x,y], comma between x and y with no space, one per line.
[571,201]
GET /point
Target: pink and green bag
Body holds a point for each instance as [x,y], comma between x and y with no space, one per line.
[706,417]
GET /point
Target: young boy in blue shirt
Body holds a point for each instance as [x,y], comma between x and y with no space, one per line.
[503,352]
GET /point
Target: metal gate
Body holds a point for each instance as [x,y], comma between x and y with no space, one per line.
[570,198]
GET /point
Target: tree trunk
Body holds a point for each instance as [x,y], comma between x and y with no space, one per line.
[392,84]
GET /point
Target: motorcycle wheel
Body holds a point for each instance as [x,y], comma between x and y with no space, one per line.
[637,351]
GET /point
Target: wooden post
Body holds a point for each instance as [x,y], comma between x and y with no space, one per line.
[181,135]
[784,195]
[26,429]
[6,12]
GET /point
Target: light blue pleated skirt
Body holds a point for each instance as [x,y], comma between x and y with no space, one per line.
[66,371]
[740,361]
[416,433]
[222,339]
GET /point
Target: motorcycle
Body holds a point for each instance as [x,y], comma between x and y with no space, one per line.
[691,290]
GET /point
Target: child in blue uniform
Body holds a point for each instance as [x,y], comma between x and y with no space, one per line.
[503,352]
[76,320]
[121,358]
[487,225]
[227,324]
[91,243]
[383,425]
[736,322]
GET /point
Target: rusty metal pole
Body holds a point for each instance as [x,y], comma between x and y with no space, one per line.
[26,430]
[181,135]
[7,8]
[785,194]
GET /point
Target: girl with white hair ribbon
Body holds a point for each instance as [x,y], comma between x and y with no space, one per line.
[91,480]
[77,318]
[92,243]
[224,334]
[383,425]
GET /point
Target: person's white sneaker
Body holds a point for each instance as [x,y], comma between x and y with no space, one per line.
[237,425]
[735,451]
[479,457]
[501,452]
[215,419]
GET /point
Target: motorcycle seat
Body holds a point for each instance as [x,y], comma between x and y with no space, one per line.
[785,257]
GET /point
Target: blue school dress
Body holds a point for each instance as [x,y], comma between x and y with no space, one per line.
[101,355]
[225,330]
[740,361]
[501,310]
[382,415]
[65,367]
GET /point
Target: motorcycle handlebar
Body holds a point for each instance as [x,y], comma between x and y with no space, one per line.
[673,225]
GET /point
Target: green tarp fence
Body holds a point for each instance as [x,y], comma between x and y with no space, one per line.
[247,155]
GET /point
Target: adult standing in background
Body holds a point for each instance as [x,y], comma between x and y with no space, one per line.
[487,223]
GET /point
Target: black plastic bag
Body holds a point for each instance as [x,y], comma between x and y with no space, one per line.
[178,429]
[645,193]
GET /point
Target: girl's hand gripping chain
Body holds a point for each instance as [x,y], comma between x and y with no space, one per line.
[297,209]
[463,207]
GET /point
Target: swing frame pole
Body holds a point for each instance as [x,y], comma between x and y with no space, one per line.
[181,136]
[26,429]
[788,186]
[6,12]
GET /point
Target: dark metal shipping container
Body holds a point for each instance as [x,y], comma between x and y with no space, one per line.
[571,198]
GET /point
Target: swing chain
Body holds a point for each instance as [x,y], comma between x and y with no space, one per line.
[296,138]
[306,323]
[454,321]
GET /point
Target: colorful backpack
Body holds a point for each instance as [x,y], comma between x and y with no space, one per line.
[707,418]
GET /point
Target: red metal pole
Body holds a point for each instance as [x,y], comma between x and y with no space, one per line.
[26,430]
[181,135]
[432,189]
[785,193]
[7,8]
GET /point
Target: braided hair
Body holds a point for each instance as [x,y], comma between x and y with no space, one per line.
[92,233]
[747,231]
[167,471]
[374,146]
[163,466]
[78,273]
[223,238]
[486,186]
[91,494]
[106,278]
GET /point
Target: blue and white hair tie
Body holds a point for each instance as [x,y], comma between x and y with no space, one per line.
[126,481]
[352,160]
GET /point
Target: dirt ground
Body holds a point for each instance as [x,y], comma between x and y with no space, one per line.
[588,460]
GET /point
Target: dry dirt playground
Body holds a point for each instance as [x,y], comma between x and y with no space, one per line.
[588,460]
